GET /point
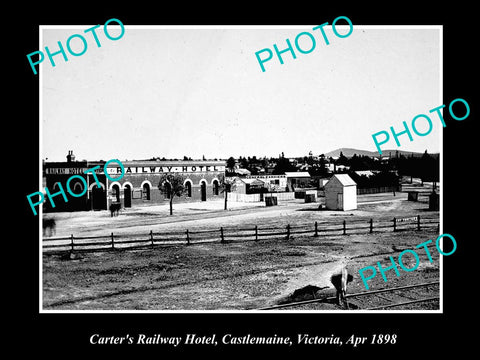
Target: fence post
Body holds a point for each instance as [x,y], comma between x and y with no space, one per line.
[344,227]
[316,229]
[418,222]
[256,233]
[221,235]
[288,231]
[71,241]
[394,224]
[113,245]
[188,238]
[151,237]
[371,226]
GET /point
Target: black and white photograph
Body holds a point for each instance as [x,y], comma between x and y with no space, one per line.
[240,189]
[290,185]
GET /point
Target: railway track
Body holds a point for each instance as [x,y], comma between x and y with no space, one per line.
[377,299]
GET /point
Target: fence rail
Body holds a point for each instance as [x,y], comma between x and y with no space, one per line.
[255,233]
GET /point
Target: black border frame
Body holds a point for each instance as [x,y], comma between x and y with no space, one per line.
[430,334]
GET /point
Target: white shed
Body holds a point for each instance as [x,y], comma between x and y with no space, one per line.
[341,193]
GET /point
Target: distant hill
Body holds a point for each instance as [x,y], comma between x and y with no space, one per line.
[349,152]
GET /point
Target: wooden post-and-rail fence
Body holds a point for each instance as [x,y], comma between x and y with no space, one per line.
[225,235]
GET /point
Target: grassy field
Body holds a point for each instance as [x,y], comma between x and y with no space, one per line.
[234,276]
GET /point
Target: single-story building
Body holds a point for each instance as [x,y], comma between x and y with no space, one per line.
[273,183]
[249,186]
[298,179]
[341,193]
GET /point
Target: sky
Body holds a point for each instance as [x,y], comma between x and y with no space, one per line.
[198,91]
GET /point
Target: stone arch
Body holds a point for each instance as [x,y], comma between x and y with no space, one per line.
[115,190]
[94,184]
[115,183]
[188,184]
[78,184]
[146,187]
[127,194]
[168,189]
[98,199]
[127,183]
[203,190]
[215,186]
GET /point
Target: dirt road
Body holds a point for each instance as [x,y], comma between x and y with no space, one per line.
[208,215]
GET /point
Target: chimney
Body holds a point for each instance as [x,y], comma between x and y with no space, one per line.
[70,156]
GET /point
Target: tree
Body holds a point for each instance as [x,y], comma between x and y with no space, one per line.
[429,168]
[264,163]
[243,162]
[342,159]
[171,185]
[283,165]
[227,185]
[231,164]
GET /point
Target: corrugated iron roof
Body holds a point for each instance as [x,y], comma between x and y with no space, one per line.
[252,181]
[297,174]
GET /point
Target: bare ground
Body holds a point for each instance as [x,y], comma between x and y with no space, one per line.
[236,275]
[210,215]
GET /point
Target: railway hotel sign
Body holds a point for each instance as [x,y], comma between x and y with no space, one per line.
[162,169]
[65,171]
[138,169]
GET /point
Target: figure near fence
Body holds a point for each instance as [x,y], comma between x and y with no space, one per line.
[49,227]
